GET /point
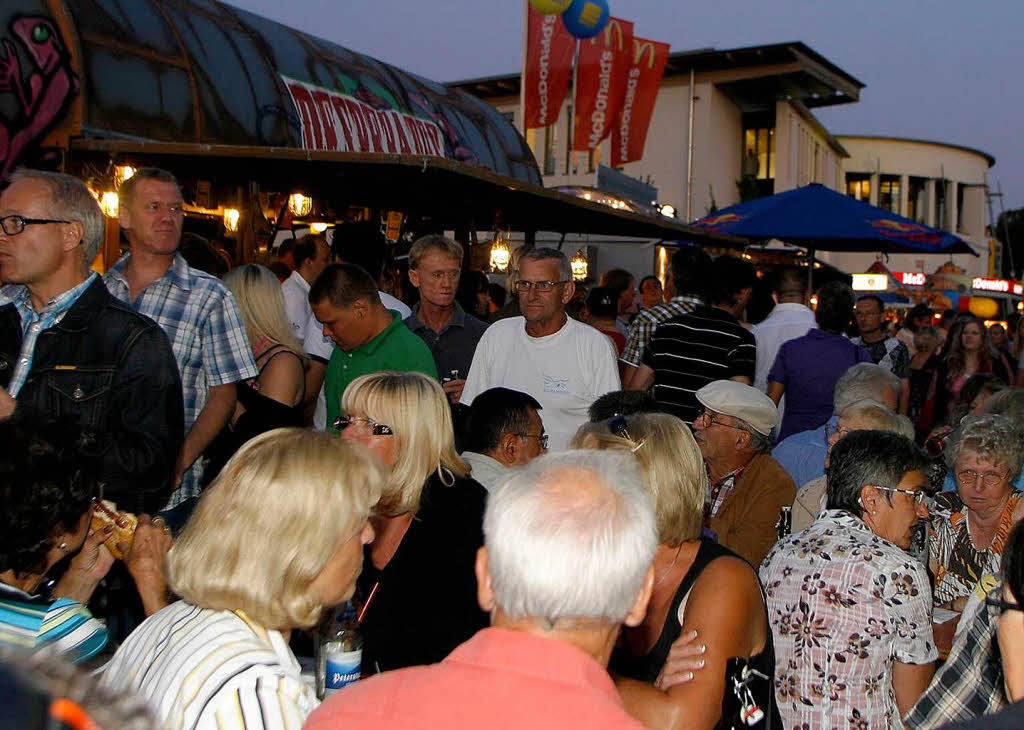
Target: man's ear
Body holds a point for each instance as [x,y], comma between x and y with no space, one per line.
[636,614]
[568,292]
[73,234]
[484,594]
[508,449]
[414,278]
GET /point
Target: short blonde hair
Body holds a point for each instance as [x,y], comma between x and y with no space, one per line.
[258,293]
[672,466]
[433,242]
[418,412]
[879,418]
[269,523]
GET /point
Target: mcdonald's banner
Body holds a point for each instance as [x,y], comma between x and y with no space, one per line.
[647,66]
[601,76]
[549,52]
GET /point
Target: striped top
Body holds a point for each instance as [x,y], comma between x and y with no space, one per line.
[690,351]
[31,623]
[201,668]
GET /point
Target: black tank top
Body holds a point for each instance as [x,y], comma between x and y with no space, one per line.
[645,668]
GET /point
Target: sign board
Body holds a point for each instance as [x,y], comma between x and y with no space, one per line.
[870,282]
[910,278]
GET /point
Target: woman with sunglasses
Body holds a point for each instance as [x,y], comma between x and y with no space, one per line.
[418,586]
[969,527]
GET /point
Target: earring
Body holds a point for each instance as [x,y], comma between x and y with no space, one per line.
[62,547]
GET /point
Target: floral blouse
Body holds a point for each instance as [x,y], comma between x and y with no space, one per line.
[959,566]
[844,604]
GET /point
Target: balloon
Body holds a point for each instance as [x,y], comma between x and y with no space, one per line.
[551,7]
[984,307]
[586,18]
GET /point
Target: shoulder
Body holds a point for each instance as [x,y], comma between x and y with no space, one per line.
[769,471]
[727,576]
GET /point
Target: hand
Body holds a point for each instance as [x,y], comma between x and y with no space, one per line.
[145,561]
[7,404]
[454,389]
[87,568]
[685,657]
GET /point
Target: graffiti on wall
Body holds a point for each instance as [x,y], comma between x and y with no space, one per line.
[41,91]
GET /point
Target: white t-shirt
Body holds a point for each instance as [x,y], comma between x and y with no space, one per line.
[295,291]
[565,372]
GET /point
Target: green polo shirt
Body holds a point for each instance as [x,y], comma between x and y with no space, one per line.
[396,348]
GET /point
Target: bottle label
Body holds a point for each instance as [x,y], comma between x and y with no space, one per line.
[342,668]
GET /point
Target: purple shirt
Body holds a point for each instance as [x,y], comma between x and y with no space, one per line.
[809,367]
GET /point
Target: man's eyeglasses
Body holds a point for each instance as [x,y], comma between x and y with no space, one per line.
[997,605]
[988,478]
[15,224]
[542,286]
[378,429]
[709,420]
[543,438]
[834,430]
[918,495]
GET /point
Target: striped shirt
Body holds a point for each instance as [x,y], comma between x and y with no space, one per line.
[645,323]
[201,668]
[33,323]
[202,321]
[690,351]
[30,623]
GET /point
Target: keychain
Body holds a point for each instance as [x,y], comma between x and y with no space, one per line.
[750,713]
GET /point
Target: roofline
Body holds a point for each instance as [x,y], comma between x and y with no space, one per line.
[973,150]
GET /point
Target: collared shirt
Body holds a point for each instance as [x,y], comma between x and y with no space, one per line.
[970,682]
[30,623]
[890,353]
[489,472]
[718,491]
[844,604]
[395,348]
[646,321]
[200,668]
[802,455]
[453,347]
[785,322]
[33,323]
[499,679]
[202,321]
[295,291]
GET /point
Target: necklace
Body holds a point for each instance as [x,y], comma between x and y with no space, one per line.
[670,566]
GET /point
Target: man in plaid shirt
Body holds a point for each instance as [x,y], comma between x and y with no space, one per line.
[197,312]
[687,269]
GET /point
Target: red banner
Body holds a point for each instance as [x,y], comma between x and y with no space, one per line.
[647,66]
[549,52]
[601,83]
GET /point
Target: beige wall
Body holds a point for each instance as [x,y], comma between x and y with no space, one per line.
[804,156]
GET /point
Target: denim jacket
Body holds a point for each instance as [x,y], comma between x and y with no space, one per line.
[113,372]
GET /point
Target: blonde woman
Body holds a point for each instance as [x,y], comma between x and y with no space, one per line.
[273,399]
[276,540]
[418,585]
[699,587]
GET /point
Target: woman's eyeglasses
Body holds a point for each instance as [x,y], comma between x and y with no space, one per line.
[377,429]
[988,478]
[917,495]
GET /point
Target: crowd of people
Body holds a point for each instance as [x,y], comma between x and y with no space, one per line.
[811,521]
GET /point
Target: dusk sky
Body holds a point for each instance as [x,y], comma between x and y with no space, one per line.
[940,70]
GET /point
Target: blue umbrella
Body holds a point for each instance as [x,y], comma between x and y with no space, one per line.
[818,218]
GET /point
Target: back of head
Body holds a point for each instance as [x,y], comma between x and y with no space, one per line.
[835,306]
[791,283]
[869,415]
[342,285]
[417,410]
[1013,563]
[570,536]
[496,412]
[259,297]
[603,302]
[547,254]
[1009,403]
[670,462]
[622,403]
[865,381]
[70,200]
[879,458]
[727,276]
[689,270]
[361,243]
[200,254]
[270,521]
[617,280]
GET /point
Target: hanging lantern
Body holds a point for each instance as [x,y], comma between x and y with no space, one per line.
[318,227]
[231,216]
[500,255]
[122,173]
[299,204]
[984,307]
[109,204]
[586,18]
[551,7]
[580,267]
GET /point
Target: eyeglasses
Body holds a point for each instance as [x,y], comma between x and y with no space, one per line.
[378,429]
[15,224]
[542,286]
[543,438]
[995,602]
[917,495]
[988,478]
[834,430]
[709,418]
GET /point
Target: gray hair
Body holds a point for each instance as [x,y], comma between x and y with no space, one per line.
[864,381]
[879,417]
[760,443]
[876,458]
[571,548]
[547,254]
[70,200]
[992,437]
[1009,403]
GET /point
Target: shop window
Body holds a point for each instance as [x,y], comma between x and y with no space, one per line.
[858,185]
[889,193]
[917,191]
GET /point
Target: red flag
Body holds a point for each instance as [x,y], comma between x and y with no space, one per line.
[601,83]
[647,66]
[549,52]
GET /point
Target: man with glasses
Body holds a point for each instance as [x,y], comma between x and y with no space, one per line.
[748,488]
[889,352]
[504,430]
[564,364]
[68,349]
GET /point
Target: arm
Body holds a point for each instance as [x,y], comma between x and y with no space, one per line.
[6,404]
[643,378]
[215,414]
[726,610]
[315,375]
[776,391]
[282,379]
[145,561]
[741,379]
[909,681]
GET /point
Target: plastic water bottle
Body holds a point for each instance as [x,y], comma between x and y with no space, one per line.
[339,652]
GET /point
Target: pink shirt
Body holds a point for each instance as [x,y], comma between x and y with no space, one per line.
[497,679]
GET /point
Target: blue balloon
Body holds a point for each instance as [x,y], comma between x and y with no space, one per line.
[586,18]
